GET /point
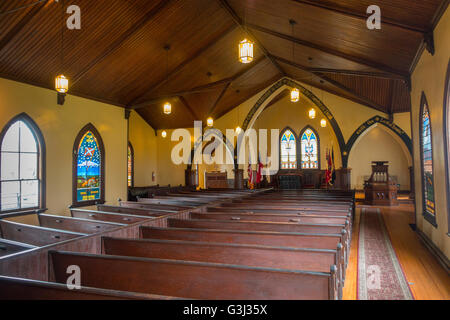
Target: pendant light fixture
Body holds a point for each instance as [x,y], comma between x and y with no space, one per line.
[209,122]
[167,105]
[246,46]
[164,134]
[295,93]
[312,113]
[61,82]
[323,123]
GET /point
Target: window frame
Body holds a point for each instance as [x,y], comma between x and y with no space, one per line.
[427,216]
[318,147]
[296,147]
[41,163]
[130,146]
[83,131]
[446,131]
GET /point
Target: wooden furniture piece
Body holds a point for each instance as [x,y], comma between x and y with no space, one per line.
[216,180]
[380,189]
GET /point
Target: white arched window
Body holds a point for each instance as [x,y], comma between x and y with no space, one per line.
[21,185]
[309,149]
[288,150]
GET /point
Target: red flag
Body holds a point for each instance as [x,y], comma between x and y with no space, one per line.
[259,172]
[328,171]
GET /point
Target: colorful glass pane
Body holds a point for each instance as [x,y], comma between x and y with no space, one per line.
[88,168]
[427,162]
[288,150]
[309,150]
[130,167]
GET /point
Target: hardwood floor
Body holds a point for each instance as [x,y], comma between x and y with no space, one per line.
[427,278]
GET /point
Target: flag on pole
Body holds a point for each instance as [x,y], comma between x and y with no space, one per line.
[259,172]
[250,175]
[328,171]
[333,174]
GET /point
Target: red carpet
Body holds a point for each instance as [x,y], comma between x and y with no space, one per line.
[380,276]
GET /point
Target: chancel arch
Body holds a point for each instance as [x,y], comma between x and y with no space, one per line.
[287,83]
[22,164]
[88,168]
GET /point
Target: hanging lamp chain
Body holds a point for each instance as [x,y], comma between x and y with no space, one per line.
[62,35]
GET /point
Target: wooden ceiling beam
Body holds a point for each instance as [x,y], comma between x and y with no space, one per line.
[371,64]
[240,23]
[213,107]
[191,111]
[361,16]
[200,89]
[357,73]
[124,37]
[178,68]
[21,24]
[362,100]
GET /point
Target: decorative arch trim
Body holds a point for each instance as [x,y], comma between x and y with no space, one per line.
[365,126]
[39,137]
[75,202]
[311,96]
[428,217]
[446,123]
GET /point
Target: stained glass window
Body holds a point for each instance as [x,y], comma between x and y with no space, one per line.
[20,156]
[130,166]
[288,150]
[427,162]
[88,168]
[309,148]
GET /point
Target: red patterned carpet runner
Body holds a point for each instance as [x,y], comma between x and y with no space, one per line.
[380,276]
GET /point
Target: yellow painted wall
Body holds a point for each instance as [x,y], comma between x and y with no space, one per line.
[60,126]
[144,142]
[377,144]
[429,77]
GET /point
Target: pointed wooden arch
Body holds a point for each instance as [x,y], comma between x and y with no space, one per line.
[272,92]
[366,126]
[427,216]
[75,202]
[40,141]
[318,144]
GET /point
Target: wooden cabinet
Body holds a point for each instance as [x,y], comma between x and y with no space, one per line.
[216,180]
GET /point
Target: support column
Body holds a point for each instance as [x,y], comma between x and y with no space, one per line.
[238,178]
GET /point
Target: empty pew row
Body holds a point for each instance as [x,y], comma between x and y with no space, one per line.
[8,247]
[302,259]
[194,280]
[25,289]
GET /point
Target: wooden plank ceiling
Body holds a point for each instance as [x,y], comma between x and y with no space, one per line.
[118,56]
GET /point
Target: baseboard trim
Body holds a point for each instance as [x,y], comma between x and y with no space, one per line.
[435,251]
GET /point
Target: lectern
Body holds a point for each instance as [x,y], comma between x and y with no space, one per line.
[380,189]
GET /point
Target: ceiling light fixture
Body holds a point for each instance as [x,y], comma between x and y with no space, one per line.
[164,134]
[323,123]
[167,106]
[209,122]
[312,113]
[61,82]
[246,46]
[295,93]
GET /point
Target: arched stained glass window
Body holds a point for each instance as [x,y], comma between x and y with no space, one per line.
[288,150]
[309,149]
[427,162]
[89,170]
[130,165]
[21,162]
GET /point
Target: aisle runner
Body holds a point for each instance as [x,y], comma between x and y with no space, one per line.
[380,276]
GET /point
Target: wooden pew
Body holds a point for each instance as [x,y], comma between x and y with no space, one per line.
[173,202]
[152,206]
[310,211]
[26,289]
[76,224]
[197,280]
[264,238]
[107,216]
[270,217]
[37,236]
[8,247]
[155,212]
[316,260]
[262,226]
